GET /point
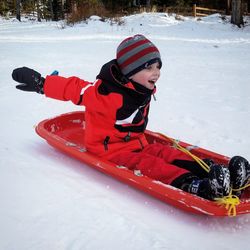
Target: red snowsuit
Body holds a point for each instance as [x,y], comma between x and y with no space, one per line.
[116,116]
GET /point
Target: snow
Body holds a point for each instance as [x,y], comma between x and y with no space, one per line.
[51,201]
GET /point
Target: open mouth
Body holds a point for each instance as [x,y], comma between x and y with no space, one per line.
[151,81]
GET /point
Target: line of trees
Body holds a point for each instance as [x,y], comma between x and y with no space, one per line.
[81,9]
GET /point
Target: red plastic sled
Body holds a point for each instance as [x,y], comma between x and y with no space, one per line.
[66,133]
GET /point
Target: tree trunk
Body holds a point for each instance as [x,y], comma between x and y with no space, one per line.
[18,10]
[39,13]
[236,16]
[228,7]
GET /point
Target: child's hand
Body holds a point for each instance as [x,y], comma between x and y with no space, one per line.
[31,80]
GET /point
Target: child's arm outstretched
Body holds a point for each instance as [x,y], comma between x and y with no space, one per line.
[53,86]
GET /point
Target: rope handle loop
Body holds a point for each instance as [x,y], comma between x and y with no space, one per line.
[230,202]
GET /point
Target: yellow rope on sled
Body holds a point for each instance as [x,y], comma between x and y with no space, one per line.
[239,189]
[196,158]
[230,201]
[186,151]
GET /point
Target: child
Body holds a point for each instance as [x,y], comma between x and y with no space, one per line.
[117,106]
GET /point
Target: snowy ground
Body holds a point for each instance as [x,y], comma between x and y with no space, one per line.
[50,201]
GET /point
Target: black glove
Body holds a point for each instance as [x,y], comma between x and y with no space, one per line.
[31,80]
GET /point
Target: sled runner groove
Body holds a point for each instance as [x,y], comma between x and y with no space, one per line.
[66,133]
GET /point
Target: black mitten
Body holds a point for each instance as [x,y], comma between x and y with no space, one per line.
[31,80]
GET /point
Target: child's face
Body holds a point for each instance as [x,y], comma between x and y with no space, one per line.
[148,76]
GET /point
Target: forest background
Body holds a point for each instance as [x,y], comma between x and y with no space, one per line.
[74,11]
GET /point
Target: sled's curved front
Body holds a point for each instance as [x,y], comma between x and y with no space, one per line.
[66,133]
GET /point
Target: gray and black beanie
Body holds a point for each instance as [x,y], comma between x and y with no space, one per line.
[136,53]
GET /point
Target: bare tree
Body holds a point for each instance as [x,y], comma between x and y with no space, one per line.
[228,4]
[236,16]
[18,10]
[38,9]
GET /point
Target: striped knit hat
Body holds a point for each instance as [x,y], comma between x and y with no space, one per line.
[135,53]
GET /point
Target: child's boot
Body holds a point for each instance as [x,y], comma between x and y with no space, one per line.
[217,185]
[240,173]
